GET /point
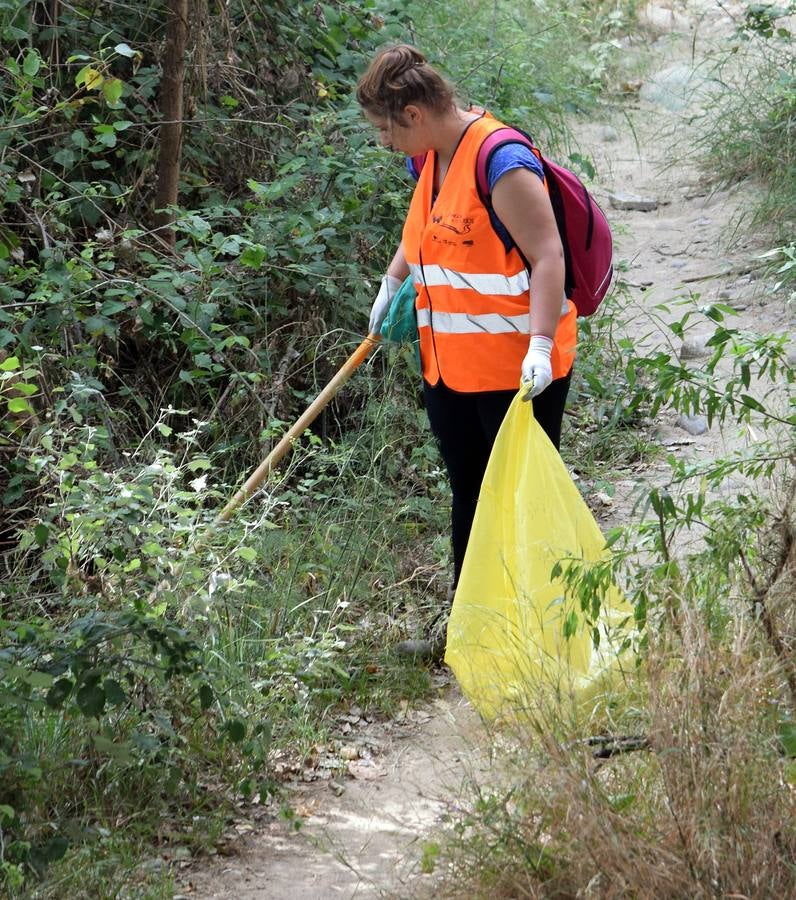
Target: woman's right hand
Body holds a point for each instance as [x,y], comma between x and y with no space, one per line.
[381,305]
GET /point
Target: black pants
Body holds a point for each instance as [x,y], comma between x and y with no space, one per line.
[465,426]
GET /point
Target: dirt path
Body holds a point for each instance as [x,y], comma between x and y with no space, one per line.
[366,833]
[364,836]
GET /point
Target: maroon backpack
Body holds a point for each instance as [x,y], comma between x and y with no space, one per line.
[582,226]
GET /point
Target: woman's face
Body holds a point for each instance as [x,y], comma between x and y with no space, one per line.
[406,138]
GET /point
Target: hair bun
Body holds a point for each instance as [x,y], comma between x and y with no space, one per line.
[404,57]
[400,75]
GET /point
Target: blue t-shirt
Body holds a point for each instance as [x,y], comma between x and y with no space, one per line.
[504,159]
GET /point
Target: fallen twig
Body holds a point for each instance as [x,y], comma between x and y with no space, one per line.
[609,745]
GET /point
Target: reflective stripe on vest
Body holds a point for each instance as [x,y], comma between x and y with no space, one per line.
[465,323]
[468,323]
[482,283]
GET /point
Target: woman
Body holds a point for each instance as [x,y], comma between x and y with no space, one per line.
[485,324]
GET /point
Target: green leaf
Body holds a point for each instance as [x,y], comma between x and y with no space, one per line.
[125,50]
[100,325]
[428,861]
[64,157]
[253,257]
[119,752]
[12,33]
[54,849]
[206,696]
[10,364]
[571,625]
[41,532]
[114,692]
[106,138]
[112,89]
[714,312]
[91,699]
[122,125]
[584,163]
[32,64]
[58,693]
[247,553]
[19,405]
[110,307]
[79,139]
[90,78]
[236,730]
[751,403]
[39,679]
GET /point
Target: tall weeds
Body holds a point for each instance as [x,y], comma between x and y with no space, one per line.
[750,130]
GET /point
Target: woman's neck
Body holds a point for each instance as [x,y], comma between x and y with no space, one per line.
[448,132]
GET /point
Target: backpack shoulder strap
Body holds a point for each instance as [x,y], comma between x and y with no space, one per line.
[493,142]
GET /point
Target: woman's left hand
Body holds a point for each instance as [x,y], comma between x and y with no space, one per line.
[537,372]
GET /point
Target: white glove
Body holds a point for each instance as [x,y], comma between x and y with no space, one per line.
[537,372]
[381,305]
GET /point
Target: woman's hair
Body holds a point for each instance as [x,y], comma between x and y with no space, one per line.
[397,76]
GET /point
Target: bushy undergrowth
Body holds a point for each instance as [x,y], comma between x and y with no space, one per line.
[149,660]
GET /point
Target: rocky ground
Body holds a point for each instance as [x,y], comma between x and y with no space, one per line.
[363,833]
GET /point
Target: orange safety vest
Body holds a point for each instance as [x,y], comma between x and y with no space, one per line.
[472,296]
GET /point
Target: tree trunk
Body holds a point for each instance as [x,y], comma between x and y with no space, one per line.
[171,88]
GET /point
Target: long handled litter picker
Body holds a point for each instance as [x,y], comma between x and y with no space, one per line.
[308,417]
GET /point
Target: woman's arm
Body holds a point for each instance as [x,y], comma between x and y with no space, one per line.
[521,203]
[398,268]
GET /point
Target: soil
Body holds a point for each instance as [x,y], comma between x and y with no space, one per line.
[365,834]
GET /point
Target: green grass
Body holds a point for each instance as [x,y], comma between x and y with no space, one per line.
[750,130]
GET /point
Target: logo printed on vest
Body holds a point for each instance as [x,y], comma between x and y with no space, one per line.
[457,223]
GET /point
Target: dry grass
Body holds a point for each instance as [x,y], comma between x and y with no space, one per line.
[709,810]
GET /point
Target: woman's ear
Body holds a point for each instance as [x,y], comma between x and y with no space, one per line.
[413,114]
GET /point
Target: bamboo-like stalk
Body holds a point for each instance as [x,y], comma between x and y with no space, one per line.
[307,418]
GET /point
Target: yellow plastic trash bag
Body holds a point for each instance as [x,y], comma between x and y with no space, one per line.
[506,641]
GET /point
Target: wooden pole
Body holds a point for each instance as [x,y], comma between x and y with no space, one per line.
[308,417]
